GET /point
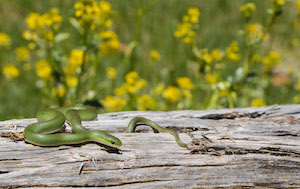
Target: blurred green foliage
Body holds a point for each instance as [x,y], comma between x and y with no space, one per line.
[150,25]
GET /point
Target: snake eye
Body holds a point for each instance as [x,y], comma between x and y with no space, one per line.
[112,142]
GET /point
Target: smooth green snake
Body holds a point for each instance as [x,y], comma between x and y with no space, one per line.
[50,121]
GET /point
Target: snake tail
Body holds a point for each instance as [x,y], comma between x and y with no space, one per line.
[133,124]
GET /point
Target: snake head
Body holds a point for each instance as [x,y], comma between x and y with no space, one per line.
[106,139]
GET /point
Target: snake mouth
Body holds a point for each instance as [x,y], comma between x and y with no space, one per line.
[112,144]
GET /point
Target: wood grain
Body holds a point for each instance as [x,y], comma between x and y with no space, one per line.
[232,148]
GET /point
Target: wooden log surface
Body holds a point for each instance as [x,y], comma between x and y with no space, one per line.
[231,148]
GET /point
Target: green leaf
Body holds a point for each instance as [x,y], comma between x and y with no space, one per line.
[76,25]
[61,37]
[238,75]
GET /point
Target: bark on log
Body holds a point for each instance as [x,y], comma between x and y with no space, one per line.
[232,148]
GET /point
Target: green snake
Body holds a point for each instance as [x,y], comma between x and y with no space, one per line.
[50,121]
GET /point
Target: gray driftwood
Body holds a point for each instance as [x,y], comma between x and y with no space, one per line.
[232,148]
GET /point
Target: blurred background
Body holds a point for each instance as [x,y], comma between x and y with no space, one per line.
[147,54]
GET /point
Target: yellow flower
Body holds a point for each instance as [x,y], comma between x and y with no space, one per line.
[91,14]
[54,15]
[133,83]
[70,69]
[216,54]
[184,83]
[10,71]
[187,40]
[60,90]
[186,29]
[187,94]
[248,9]
[4,40]
[75,61]
[76,57]
[172,94]
[256,58]
[155,56]
[110,47]
[71,81]
[120,91]
[111,73]
[279,2]
[33,21]
[31,46]
[205,56]
[110,43]
[298,6]
[231,51]
[36,21]
[27,35]
[182,29]
[194,14]
[49,35]
[254,31]
[132,77]
[141,83]
[108,23]
[79,6]
[185,18]
[43,69]
[22,53]
[113,104]
[108,35]
[257,102]
[42,26]
[145,102]
[296,99]
[210,78]
[105,6]
[296,24]
[135,87]
[273,59]
[159,89]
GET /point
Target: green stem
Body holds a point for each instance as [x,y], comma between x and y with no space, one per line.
[230,100]
[82,68]
[129,57]
[131,101]
[246,64]
[213,99]
[56,73]
[271,20]
[95,72]
[3,57]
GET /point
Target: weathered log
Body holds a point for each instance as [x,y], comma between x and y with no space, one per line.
[231,148]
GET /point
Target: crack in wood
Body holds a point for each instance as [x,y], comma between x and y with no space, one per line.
[3,172]
[286,133]
[262,150]
[232,115]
